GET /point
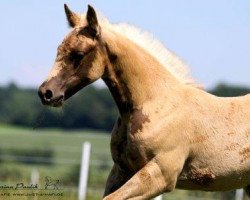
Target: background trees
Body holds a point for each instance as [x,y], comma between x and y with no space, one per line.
[91,108]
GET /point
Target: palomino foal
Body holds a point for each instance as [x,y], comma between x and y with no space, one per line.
[170,134]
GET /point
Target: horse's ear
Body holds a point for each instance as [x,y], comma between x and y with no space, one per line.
[92,20]
[73,18]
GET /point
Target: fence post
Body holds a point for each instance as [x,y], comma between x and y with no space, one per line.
[82,190]
[158,198]
[239,195]
[34,179]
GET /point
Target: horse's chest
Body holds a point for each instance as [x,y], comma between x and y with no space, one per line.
[128,153]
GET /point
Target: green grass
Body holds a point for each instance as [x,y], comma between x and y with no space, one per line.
[67,148]
[66,144]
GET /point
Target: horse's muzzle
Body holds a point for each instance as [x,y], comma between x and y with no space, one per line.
[49,98]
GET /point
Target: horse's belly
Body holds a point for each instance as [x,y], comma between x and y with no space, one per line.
[208,182]
[216,176]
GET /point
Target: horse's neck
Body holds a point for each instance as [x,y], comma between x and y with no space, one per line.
[135,77]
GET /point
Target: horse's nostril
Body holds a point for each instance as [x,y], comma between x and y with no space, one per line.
[48,94]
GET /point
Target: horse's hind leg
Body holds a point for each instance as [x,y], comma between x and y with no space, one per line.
[247,190]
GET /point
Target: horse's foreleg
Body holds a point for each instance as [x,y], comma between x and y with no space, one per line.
[148,182]
[115,180]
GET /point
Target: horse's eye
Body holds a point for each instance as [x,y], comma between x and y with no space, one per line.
[76,58]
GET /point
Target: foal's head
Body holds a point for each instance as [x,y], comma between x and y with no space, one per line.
[81,59]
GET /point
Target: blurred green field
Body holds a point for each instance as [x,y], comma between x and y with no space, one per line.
[66,147]
[55,138]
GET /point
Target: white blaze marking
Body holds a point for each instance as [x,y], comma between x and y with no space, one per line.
[55,70]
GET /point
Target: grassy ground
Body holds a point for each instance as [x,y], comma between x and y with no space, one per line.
[66,147]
